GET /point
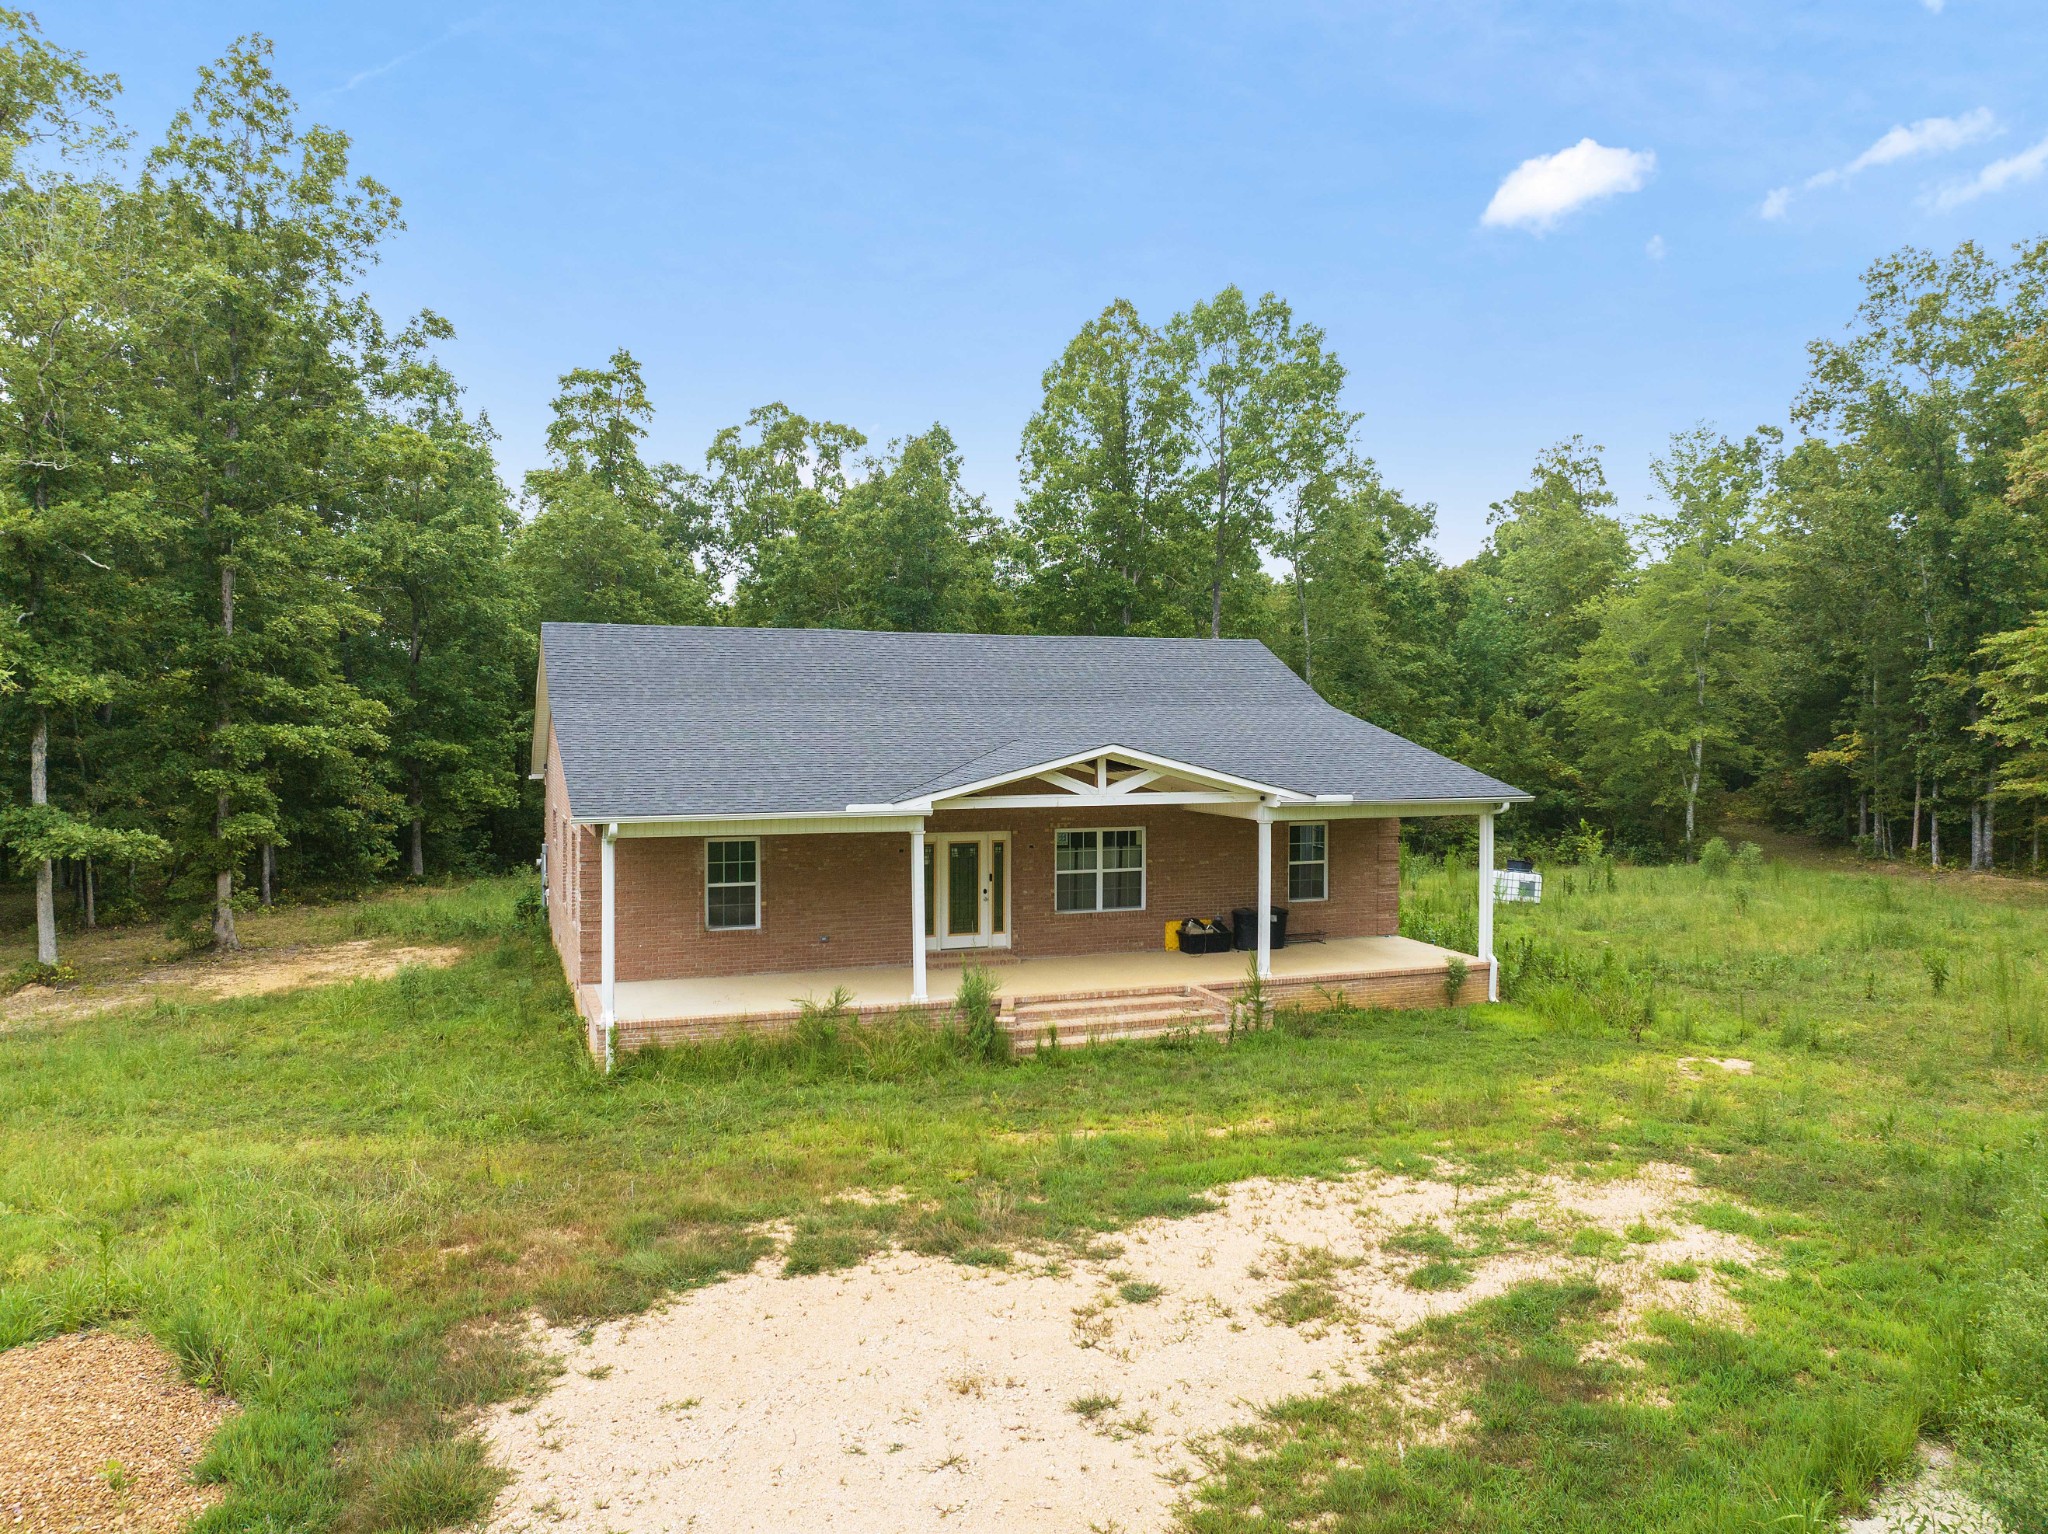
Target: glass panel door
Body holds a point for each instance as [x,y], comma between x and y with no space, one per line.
[964,893]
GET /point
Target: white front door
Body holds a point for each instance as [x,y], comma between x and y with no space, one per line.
[969,890]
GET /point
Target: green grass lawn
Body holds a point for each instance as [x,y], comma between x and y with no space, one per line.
[323,1201]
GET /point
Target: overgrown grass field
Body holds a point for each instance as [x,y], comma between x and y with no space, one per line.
[329,1203]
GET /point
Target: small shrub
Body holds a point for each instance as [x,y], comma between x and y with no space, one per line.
[818,1022]
[1250,1012]
[411,981]
[32,973]
[1716,859]
[1749,860]
[981,1022]
[1935,962]
[1455,972]
[1585,846]
[1643,1017]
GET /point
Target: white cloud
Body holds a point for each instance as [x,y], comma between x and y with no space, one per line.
[2025,166]
[1934,5]
[1930,135]
[1655,250]
[1538,192]
[397,61]
[1905,141]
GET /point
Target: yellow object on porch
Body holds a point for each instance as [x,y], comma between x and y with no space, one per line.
[1173,937]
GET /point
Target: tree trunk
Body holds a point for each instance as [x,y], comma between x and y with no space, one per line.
[1916,812]
[268,872]
[91,886]
[417,797]
[46,873]
[1222,529]
[224,880]
[1308,661]
[1934,826]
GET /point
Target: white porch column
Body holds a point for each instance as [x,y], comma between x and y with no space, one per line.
[917,992]
[607,936]
[1486,904]
[1265,818]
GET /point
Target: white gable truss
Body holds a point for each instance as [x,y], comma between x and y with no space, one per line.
[1118,777]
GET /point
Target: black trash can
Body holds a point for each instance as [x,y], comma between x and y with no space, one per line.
[1244,925]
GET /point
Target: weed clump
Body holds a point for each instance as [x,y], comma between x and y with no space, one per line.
[1935,962]
[981,1023]
[1455,972]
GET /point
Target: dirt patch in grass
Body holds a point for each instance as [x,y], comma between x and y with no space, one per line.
[100,1433]
[253,972]
[1928,1504]
[771,1402]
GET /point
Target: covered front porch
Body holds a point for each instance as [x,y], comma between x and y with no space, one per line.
[1060,874]
[1069,999]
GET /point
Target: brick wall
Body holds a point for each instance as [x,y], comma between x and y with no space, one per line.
[572,876]
[844,900]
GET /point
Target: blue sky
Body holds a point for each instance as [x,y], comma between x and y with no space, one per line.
[894,214]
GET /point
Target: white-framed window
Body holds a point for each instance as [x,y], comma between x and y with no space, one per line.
[1308,861]
[732,884]
[1098,870]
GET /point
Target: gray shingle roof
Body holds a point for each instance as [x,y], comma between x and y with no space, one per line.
[655,722]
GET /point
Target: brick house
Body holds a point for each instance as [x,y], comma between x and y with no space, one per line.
[738,819]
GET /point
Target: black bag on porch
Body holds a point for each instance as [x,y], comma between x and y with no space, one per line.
[1199,936]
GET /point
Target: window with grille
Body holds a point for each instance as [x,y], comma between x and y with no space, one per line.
[1099,870]
[732,884]
[1308,862]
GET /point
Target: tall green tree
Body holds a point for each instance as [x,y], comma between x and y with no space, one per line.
[1265,415]
[258,392]
[902,545]
[613,539]
[77,270]
[1669,687]
[429,543]
[772,480]
[1524,609]
[1106,532]
[1919,403]
[1361,612]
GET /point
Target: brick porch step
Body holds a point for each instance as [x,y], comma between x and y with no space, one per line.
[1080,1020]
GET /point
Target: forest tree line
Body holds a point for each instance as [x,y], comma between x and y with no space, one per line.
[268,612]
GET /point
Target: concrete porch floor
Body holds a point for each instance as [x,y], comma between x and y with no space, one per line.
[882,986]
